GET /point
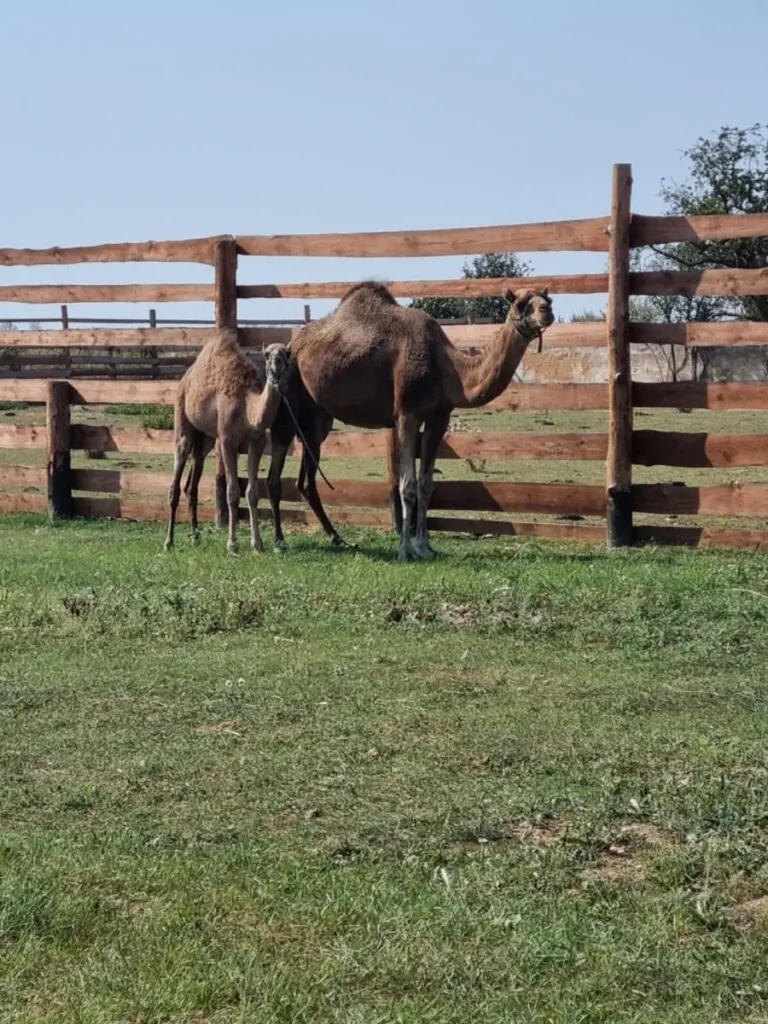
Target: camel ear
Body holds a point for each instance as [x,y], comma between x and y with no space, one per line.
[545,293]
[509,295]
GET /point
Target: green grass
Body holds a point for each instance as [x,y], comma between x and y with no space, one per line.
[153,417]
[525,783]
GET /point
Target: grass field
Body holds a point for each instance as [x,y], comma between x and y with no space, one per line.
[525,783]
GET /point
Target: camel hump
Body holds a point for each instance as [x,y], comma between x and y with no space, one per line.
[370,290]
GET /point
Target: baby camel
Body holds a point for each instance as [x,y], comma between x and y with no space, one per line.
[224,395]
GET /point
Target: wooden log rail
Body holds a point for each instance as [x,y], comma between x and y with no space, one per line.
[517,397]
[552,236]
[661,282]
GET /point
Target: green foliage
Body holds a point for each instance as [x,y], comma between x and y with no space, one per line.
[728,173]
[503,264]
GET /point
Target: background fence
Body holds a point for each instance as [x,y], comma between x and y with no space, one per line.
[62,485]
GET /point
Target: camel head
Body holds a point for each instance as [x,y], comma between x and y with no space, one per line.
[278,360]
[529,310]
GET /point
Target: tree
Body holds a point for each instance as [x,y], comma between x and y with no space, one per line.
[492,264]
[728,174]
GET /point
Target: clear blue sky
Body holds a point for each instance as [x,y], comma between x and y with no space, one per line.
[170,119]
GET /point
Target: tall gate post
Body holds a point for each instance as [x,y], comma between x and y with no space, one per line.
[59,457]
[619,463]
[225,293]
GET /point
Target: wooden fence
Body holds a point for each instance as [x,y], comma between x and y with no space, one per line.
[101,492]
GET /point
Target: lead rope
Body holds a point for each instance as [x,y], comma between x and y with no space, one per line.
[299,431]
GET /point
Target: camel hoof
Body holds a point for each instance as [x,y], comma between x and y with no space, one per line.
[195,537]
[280,547]
[257,546]
[338,542]
[232,548]
[407,555]
[168,545]
[426,555]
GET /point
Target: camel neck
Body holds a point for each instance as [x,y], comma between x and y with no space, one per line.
[483,378]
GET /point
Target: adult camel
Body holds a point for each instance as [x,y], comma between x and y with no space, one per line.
[374,363]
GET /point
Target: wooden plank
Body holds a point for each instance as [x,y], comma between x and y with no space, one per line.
[57,417]
[531,397]
[699,282]
[571,335]
[502,528]
[124,337]
[517,397]
[619,461]
[576,335]
[23,476]
[156,511]
[588,235]
[564,284]
[371,445]
[703,537]
[23,503]
[670,448]
[708,228]
[22,390]
[22,437]
[689,394]
[191,250]
[700,335]
[94,392]
[513,446]
[555,499]
[473,496]
[121,439]
[108,392]
[732,499]
[48,293]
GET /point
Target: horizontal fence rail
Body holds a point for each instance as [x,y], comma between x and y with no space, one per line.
[559,236]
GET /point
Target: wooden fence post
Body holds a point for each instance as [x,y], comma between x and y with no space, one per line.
[59,461]
[619,463]
[225,292]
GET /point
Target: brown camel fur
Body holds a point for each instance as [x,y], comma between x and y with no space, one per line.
[374,363]
[225,396]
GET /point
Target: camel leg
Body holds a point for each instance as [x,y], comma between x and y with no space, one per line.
[183,448]
[434,431]
[407,437]
[220,490]
[201,449]
[229,458]
[255,450]
[280,446]
[307,482]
